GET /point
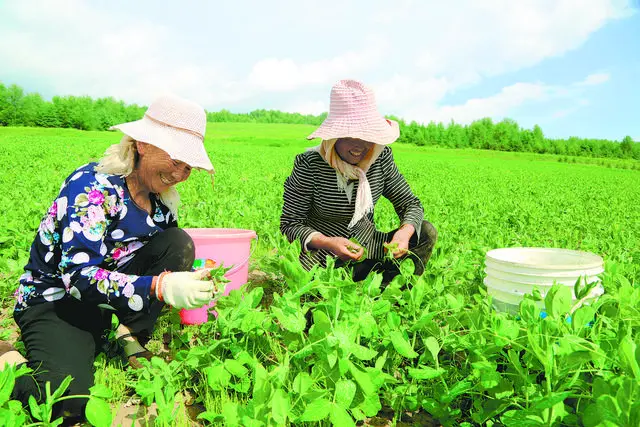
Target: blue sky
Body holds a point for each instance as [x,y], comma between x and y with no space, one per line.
[571,66]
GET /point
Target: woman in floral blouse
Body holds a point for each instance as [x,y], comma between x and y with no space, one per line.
[109,243]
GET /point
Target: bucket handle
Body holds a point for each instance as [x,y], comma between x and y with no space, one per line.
[239,266]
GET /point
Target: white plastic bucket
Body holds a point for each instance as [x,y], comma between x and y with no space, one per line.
[513,272]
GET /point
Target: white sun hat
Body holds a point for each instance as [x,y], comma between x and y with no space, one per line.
[353,114]
[175,125]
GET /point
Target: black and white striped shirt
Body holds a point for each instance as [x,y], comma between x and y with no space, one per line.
[313,202]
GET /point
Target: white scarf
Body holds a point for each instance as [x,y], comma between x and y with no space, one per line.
[346,171]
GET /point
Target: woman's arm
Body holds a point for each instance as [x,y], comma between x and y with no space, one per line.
[298,199]
[397,190]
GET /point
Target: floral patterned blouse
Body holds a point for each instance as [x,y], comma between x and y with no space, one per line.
[91,230]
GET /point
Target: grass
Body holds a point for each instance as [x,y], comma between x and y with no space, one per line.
[478,200]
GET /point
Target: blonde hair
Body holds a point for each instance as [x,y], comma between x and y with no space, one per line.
[120,159]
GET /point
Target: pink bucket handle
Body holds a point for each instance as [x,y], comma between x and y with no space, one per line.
[242,264]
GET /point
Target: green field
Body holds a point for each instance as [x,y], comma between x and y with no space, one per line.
[438,351]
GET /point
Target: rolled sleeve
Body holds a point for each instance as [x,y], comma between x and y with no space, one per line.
[397,191]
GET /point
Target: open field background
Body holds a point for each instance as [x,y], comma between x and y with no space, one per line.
[478,200]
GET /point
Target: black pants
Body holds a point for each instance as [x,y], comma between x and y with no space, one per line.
[419,251]
[63,337]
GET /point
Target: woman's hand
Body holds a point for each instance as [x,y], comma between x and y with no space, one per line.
[185,289]
[401,238]
[343,248]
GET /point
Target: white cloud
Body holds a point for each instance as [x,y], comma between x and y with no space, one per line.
[595,79]
[313,107]
[81,51]
[493,37]
[400,92]
[415,54]
[504,103]
[496,106]
[286,74]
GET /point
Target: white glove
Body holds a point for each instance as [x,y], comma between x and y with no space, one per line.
[186,289]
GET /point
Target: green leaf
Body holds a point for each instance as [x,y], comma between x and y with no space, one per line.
[503,390]
[302,382]
[558,301]
[417,293]
[521,418]
[402,346]
[317,410]
[455,302]
[332,358]
[506,331]
[550,401]
[34,408]
[217,377]
[425,319]
[101,391]
[425,373]
[235,368]
[393,320]
[371,405]
[343,366]
[62,387]
[98,412]
[339,417]
[7,383]
[367,325]
[345,392]
[290,320]
[582,316]
[407,267]
[600,387]
[380,308]
[432,345]
[146,389]
[627,351]
[230,414]
[280,373]
[381,360]
[361,352]
[252,320]
[211,416]
[490,379]
[280,406]
[529,311]
[363,380]
[253,298]
[461,387]
[321,324]
[372,286]
[261,385]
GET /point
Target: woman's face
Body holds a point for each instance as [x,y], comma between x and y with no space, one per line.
[352,150]
[157,170]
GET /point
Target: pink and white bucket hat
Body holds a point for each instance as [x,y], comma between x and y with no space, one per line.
[353,114]
[175,125]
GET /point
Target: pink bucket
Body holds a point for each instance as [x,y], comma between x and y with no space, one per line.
[230,247]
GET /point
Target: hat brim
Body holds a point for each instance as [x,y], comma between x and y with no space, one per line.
[380,131]
[169,139]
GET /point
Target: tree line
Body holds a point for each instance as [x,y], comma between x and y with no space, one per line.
[18,108]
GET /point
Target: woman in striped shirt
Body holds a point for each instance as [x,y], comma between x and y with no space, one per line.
[330,195]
